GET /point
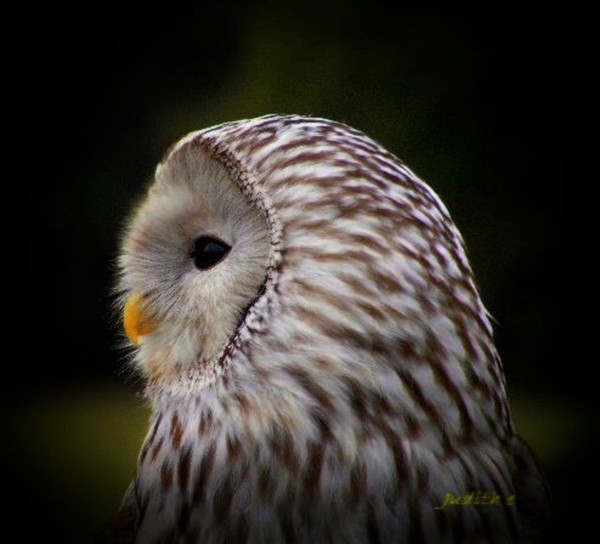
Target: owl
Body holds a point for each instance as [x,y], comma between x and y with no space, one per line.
[318,360]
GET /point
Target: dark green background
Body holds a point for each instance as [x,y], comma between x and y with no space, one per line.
[479,105]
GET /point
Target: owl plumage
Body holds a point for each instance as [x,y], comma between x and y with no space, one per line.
[318,360]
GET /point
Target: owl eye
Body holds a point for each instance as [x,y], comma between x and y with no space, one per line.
[208,252]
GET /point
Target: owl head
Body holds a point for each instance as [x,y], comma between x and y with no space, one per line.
[293,251]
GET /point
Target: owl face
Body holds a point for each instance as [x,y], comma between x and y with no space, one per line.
[193,260]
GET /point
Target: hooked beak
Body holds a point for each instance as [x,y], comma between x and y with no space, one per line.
[136,321]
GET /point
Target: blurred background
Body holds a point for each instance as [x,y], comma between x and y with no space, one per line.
[478,107]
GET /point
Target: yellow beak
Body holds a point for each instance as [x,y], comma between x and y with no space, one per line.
[136,321]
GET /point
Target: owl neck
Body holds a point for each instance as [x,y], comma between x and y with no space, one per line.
[326,402]
[311,442]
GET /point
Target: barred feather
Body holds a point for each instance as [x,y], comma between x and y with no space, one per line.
[335,377]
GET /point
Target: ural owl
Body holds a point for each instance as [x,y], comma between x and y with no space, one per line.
[318,359]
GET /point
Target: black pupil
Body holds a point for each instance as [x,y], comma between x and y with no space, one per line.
[209,251]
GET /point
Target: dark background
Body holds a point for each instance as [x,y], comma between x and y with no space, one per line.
[480,107]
